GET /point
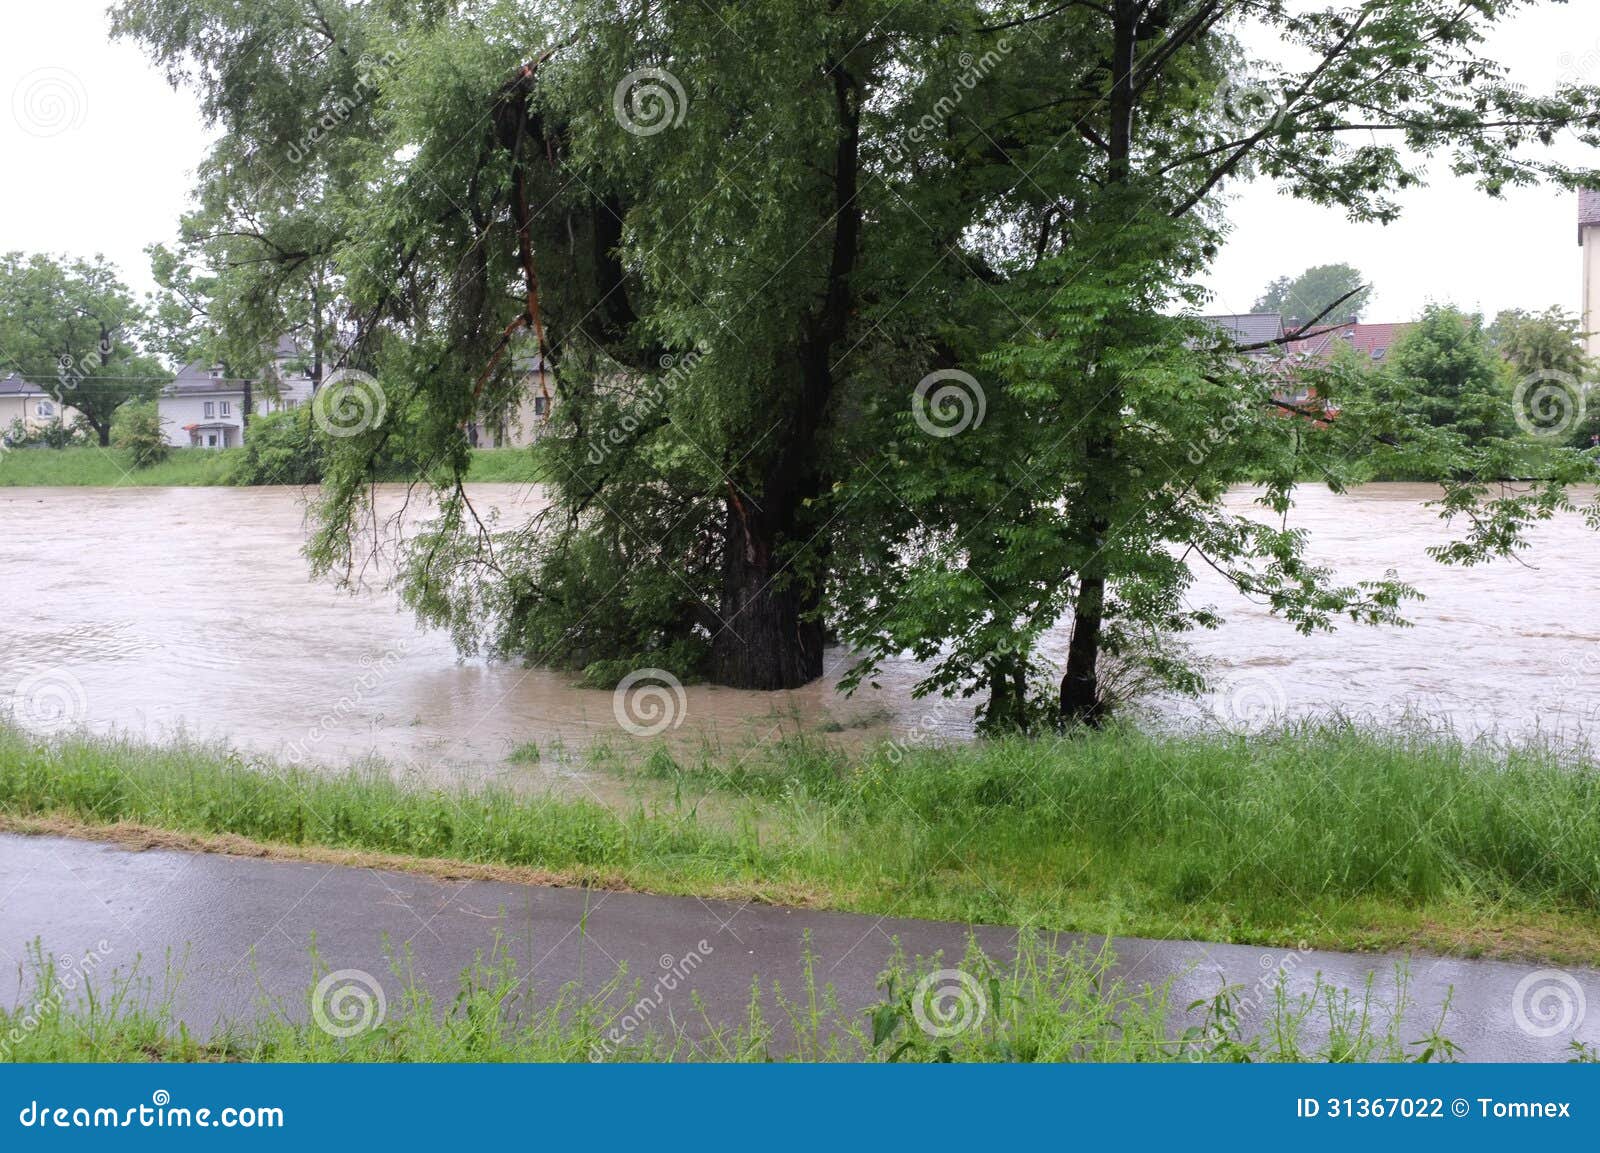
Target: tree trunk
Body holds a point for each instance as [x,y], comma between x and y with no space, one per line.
[1007,708]
[103,431]
[770,635]
[764,640]
[1081,703]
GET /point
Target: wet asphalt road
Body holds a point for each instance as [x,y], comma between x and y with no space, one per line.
[239,928]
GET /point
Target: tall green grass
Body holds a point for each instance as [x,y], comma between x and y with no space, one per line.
[1044,1005]
[113,467]
[1331,835]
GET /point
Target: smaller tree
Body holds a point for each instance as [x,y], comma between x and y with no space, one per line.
[1448,374]
[1553,373]
[138,431]
[1299,298]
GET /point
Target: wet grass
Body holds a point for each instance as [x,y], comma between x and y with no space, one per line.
[1045,1005]
[1328,835]
[113,467]
[506,466]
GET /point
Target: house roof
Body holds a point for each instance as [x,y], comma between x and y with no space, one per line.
[14,385]
[1248,327]
[196,379]
[1588,209]
[1370,340]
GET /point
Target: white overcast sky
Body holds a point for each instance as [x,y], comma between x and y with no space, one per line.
[97,154]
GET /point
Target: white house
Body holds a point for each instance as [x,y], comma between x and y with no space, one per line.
[1589,238]
[204,407]
[34,408]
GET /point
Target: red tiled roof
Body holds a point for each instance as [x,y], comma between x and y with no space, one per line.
[1371,340]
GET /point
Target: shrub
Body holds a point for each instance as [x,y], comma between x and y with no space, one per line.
[137,429]
[281,448]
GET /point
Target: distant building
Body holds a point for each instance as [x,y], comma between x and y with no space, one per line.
[204,407]
[518,425]
[1250,328]
[33,407]
[1372,341]
[1589,239]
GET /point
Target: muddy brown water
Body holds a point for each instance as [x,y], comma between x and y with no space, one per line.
[190,613]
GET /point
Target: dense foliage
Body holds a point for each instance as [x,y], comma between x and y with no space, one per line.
[72,328]
[868,318]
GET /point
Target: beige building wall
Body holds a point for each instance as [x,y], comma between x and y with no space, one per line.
[26,409]
[1591,286]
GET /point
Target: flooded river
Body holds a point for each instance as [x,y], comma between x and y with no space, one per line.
[163,613]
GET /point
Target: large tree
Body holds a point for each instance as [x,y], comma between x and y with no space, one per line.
[776,251]
[1132,422]
[72,327]
[1314,291]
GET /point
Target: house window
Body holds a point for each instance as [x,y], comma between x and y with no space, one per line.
[226,408]
[45,408]
[211,409]
[541,405]
[288,404]
[211,440]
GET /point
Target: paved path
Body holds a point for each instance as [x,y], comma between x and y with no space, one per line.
[241,927]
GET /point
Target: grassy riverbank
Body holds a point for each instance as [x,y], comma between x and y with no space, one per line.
[1046,1005]
[113,467]
[1330,836]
